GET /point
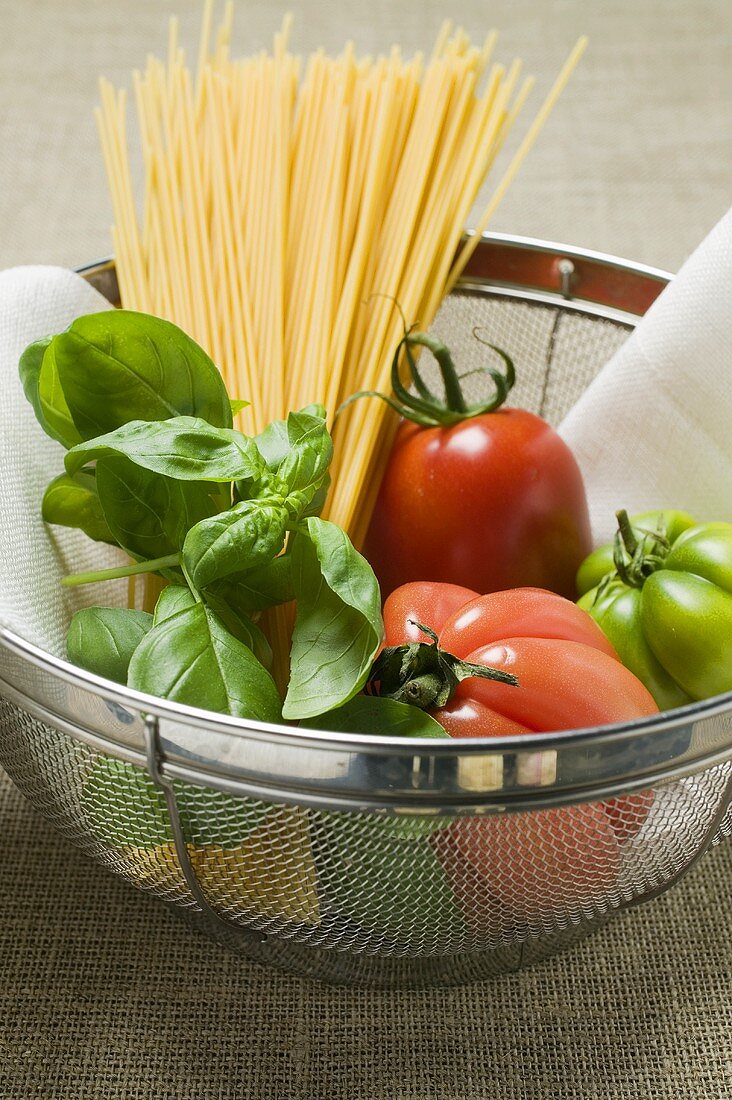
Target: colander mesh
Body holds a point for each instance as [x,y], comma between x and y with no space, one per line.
[557,352]
[410,891]
[368,882]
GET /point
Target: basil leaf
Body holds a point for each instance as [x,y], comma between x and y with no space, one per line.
[384,717]
[73,501]
[388,718]
[193,659]
[127,810]
[184,447]
[338,626]
[403,891]
[40,381]
[173,598]
[241,627]
[120,365]
[178,597]
[308,459]
[149,515]
[256,589]
[124,806]
[246,535]
[274,442]
[317,501]
[56,414]
[236,404]
[298,451]
[29,369]
[103,639]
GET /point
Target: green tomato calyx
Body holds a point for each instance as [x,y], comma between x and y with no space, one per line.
[418,402]
[638,552]
[423,675]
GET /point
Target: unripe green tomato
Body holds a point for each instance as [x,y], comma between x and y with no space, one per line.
[673,628]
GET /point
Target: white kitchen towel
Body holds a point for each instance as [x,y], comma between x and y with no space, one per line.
[654,429]
[35,302]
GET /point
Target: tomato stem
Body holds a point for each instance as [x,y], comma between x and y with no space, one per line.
[425,630]
[424,675]
[626,531]
[416,401]
[636,559]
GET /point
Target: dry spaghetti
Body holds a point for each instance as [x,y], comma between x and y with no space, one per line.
[286,208]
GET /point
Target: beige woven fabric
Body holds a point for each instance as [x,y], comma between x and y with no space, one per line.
[636,160]
[104,994]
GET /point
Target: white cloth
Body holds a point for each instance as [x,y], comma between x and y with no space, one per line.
[35,302]
[654,429]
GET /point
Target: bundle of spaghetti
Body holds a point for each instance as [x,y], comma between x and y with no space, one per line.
[287,208]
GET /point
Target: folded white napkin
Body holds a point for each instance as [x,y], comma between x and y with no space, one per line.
[654,429]
[36,302]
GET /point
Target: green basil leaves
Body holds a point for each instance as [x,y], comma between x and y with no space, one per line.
[250,532]
[118,366]
[72,500]
[338,627]
[231,521]
[39,376]
[148,515]
[103,639]
[384,717]
[185,448]
[192,658]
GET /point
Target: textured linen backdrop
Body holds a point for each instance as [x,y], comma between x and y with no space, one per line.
[104,994]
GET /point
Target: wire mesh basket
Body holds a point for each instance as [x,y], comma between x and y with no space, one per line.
[374,860]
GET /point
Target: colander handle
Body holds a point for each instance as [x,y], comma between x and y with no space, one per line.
[155,758]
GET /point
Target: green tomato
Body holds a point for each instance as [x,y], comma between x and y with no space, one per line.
[617,611]
[672,627]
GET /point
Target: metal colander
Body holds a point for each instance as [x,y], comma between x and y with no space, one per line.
[374,860]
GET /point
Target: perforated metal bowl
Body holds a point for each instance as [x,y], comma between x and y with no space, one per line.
[374,860]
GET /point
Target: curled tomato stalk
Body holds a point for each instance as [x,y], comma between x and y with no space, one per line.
[474,493]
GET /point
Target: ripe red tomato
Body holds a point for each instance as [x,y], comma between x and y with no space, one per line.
[628,813]
[492,502]
[536,865]
[426,603]
[569,675]
[568,672]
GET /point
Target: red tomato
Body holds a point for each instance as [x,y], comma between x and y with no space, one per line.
[562,685]
[628,813]
[519,613]
[537,865]
[429,604]
[495,501]
[569,675]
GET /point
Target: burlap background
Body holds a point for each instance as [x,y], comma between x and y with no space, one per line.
[103,993]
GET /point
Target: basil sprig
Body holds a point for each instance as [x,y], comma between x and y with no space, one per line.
[154,466]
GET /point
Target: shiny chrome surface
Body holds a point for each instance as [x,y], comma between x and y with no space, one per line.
[319,768]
